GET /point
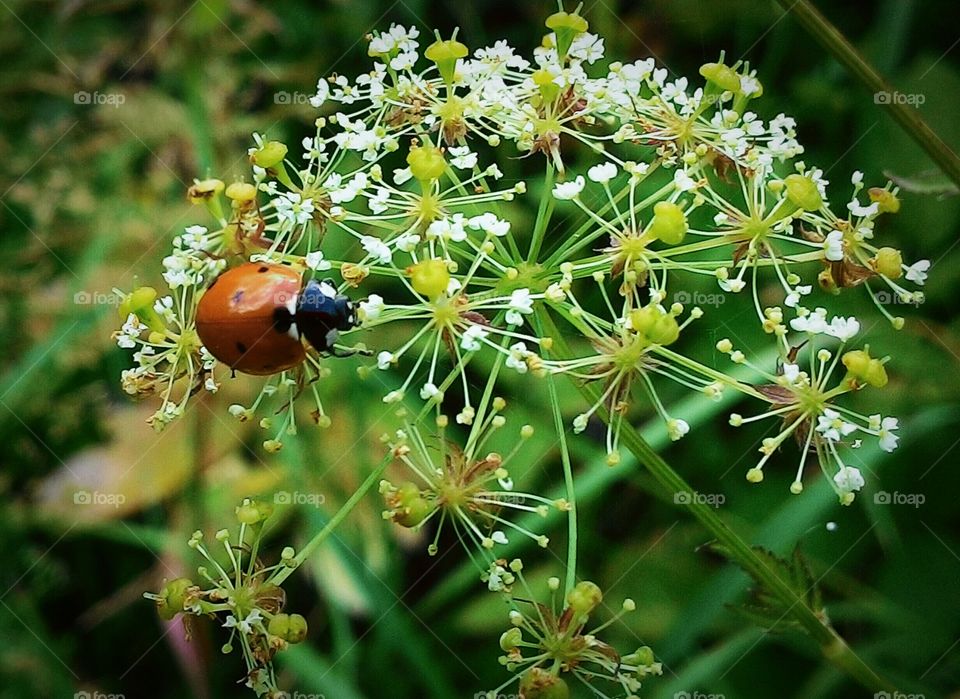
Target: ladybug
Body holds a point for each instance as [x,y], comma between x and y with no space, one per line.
[252,317]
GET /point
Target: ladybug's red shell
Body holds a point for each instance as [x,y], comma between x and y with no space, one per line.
[237,318]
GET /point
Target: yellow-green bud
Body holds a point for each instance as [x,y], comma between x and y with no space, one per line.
[861,366]
[139,302]
[429,277]
[802,191]
[655,324]
[172,597]
[567,26]
[669,223]
[584,598]
[544,80]
[204,190]
[888,262]
[252,512]
[292,628]
[888,201]
[537,683]
[446,54]
[269,154]
[642,657]
[241,192]
[723,76]
[510,639]
[426,163]
[412,508]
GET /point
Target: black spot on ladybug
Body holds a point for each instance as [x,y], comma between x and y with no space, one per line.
[263,269]
[242,348]
[237,296]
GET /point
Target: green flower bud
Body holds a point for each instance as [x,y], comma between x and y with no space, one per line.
[253,512]
[567,26]
[584,598]
[412,508]
[172,597]
[888,262]
[655,324]
[544,80]
[426,163]
[204,190]
[429,277]
[803,192]
[241,192]
[537,683]
[510,639]
[292,628]
[446,54]
[862,367]
[269,155]
[888,201]
[642,657]
[669,223]
[723,76]
[139,302]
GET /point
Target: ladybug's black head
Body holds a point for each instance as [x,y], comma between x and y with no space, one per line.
[322,313]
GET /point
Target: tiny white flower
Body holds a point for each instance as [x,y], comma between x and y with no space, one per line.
[849,479]
[376,249]
[833,246]
[888,440]
[580,423]
[520,304]
[677,428]
[791,372]
[372,307]
[461,157]
[814,323]
[793,298]
[429,391]
[314,260]
[517,359]
[683,181]
[602,173]
[472,337]
[384,360]
[843,328]
[832,426]
[917,272]
[569,190]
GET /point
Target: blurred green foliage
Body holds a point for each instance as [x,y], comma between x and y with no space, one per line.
[91,192]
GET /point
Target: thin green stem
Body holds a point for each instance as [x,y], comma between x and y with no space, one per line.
[544,211]
[571,496]
[834,648]
[334,522]
[905,115]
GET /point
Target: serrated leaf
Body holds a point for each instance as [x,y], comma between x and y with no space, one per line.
[765,608]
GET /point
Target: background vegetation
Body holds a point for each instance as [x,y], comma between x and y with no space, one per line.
[91,192]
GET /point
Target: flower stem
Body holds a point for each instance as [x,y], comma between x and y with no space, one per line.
[571,578]
[543,214]
[334,522]
[907,116]
[834,648]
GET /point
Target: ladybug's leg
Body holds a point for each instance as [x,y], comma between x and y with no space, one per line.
[340,351]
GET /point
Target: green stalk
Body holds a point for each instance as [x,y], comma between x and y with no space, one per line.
[834,648]
[334,522]
[544,212]
[907,116]
[571,578]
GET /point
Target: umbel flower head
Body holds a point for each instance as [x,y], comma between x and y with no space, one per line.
[243,594]
[466,486]
[550,647]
